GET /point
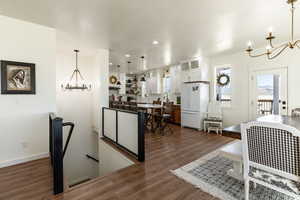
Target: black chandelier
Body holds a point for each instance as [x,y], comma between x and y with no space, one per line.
[76,81]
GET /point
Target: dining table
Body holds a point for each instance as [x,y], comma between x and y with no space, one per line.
[152,108]
[282,119]
[233,151]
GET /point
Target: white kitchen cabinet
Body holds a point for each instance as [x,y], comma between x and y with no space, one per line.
[176,80]
[191,74]
[195,74]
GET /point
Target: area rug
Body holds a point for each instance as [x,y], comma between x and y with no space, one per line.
[209,174]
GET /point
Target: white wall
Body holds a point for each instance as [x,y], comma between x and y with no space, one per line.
[111,160]
[242,65]
[24,118]
[82,108]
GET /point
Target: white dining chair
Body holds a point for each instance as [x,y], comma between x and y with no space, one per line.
[213,117]
[271,157]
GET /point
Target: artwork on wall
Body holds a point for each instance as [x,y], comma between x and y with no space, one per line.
[17,77]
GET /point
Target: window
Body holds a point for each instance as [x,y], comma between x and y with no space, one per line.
[167,84]
[223,85]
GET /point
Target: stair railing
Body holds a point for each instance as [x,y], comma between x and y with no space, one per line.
[57,151]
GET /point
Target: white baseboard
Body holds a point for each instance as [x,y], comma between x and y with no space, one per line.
[23,160]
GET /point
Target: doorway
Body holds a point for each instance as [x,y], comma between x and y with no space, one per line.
[268,93]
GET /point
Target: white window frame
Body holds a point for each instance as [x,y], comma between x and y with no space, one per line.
[215,83]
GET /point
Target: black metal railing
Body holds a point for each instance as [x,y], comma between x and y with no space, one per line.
[265,106]
[57,151]
[140,154]
[92,158]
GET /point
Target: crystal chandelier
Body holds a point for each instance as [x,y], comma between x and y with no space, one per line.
[76,81]
[273,51]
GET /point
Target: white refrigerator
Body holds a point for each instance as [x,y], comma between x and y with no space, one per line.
[194,102]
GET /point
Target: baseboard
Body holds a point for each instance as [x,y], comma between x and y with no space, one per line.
[23,160]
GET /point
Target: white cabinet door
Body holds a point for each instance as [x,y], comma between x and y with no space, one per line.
[195,74]
[185,75]
[177,81]
[185,97]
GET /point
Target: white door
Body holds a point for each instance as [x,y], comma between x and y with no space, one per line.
[268,92]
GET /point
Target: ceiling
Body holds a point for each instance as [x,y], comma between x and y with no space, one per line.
[185,29]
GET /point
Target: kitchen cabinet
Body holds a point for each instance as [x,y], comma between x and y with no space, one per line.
[176,80]
[176,114]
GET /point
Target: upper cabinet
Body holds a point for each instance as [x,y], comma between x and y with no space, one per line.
[191,71]
[176,80]
[170,81]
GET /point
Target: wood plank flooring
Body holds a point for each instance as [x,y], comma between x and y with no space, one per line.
[151,180]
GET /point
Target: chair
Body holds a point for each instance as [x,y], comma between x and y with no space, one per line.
[158,101]
[271,157]
[164,119]
[213,120]
[157,111]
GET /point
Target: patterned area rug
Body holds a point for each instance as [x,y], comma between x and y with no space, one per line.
[210,175]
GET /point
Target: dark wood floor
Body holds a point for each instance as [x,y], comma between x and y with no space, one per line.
[150,180]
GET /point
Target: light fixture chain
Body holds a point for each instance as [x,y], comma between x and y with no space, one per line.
[293,13]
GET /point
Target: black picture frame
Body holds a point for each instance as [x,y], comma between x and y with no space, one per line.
[5,79]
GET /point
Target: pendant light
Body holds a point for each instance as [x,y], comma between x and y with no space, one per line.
[143,79]
[76,81]
[128,66]
[143,63]
[143,67]
[119,82]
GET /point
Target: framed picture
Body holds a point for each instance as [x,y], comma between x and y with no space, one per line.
[17,77]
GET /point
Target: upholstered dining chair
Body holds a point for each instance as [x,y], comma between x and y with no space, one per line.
[271,156]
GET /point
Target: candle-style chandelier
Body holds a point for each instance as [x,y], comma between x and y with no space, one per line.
[273,51]
[76,81]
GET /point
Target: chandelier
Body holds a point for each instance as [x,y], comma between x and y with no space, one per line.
[273,51]
[76,81]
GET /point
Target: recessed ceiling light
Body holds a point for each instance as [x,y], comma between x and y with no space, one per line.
[155,42]
[127,55]
[110,64]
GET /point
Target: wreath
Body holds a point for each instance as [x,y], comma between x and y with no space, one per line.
[223,80]
[113,79]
